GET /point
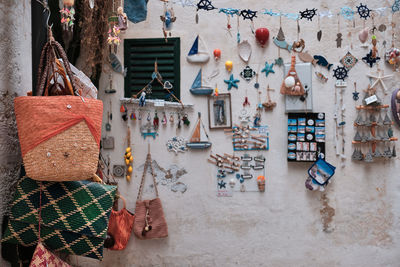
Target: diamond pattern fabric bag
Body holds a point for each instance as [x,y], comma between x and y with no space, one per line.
[74,216]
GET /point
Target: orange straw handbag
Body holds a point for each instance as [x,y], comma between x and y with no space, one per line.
[120,227]
[149,215]
[59,135]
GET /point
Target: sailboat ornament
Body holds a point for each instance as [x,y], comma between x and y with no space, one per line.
[199,89]
[196,55]
[199,139]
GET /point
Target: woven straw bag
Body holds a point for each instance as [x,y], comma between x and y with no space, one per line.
[59,135]
[43,258]
[67,217]
[149,215]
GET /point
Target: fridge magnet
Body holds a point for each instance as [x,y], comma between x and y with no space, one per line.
[220,111]
[232,82]
[306,136]
[247,73]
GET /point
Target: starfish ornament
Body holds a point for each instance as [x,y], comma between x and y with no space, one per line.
[379,79]
[268,68]
[232,82]
[221,184]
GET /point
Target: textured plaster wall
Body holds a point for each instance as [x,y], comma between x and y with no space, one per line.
[356,222]
[15,79]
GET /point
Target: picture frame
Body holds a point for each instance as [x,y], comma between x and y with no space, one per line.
[220,111]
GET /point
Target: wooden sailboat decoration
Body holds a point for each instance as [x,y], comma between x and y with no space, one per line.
[199,139]
[197,87]
[196,55]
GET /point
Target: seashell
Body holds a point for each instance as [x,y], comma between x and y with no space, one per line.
[244,50]
[363,35]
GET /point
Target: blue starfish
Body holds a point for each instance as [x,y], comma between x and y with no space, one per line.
[355,95]
[221,184]
[268,68]
[231,82]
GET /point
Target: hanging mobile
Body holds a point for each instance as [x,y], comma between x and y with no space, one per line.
[128,155]
[168,18]
[256,84]
[280,42]
[110,90]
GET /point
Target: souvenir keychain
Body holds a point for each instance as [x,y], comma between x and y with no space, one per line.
[164,119]
[156,120]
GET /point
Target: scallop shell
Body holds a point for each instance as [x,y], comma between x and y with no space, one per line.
[244,50]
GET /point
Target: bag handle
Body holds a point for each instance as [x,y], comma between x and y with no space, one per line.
[146,165]
[46,66]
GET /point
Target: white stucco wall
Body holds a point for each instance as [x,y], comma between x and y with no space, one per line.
[15,79]
[285,225]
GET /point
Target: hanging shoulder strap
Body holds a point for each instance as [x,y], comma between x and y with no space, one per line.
[146,165]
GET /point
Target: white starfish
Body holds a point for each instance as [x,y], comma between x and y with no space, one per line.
[379,79]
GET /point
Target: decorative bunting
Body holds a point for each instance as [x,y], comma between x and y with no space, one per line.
[347,13]
[205,5]
[363,11]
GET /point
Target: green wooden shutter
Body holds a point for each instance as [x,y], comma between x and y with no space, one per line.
[139,58]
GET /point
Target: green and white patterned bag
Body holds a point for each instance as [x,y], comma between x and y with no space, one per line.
[74,216]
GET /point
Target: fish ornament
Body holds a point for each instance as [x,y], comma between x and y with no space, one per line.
[306,57]
[322,61]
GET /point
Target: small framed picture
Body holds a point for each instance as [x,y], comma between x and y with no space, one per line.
[220,111]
